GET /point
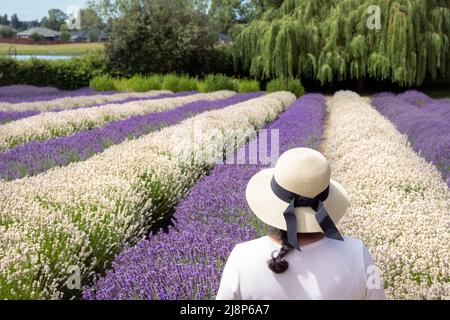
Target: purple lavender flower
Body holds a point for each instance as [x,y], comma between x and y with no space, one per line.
[187,262]
[25,93]
[415,97]
[131,99]
[425,121]
[6,116]
[38,156]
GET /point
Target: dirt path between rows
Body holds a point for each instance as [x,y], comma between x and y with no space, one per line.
[326,123]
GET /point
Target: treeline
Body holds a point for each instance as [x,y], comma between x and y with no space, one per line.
[151,36]
[329,41]
[55,20]
[326,41]
[178,83]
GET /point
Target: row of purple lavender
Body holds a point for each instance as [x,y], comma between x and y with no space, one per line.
[7,116]
[38,156]
[25,93]
[425,121]
[187,262]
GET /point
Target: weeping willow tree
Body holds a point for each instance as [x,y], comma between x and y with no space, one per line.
[330,40]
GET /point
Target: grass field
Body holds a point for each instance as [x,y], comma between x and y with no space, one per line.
[70,49]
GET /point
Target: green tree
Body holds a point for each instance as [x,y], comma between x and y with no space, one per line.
[44,22]
[64,27]
[330,40]
[15,22]
[106,9]
[54,20]
[225,14]
[65,36]
[93,37]
[201,6]
[6,33]
[4,20]
[222,14]
[35,37]
[159,36]
[90,19]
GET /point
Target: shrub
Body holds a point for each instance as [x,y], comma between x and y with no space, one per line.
[176,37]
[35,37]
[139,83]
[244,86]
[219,60]
[65,74]
[6,33]
[122,84]
[65,36]
[103,83]
[286,84]
[142,84]
[217,82]
[177,83]
[93,37]
[201,86]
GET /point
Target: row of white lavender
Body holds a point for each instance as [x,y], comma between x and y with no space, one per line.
[79,216]
[400,206]
[76,101]
[49,125]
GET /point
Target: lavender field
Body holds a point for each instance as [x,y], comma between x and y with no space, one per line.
[139,194]
[425,121]
[214,217]
[25,93]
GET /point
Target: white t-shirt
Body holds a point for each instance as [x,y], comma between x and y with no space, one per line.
[325,269]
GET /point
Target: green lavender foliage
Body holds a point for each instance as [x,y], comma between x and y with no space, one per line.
[329,40]
[215,82]
[103,83]
[285,84]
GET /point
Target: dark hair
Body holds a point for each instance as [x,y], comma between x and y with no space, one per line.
[278,263]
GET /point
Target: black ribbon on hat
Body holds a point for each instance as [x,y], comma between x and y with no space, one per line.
[296,200]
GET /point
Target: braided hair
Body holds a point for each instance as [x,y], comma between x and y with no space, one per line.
[278,263]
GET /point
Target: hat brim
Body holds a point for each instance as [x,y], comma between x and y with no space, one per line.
[269,208]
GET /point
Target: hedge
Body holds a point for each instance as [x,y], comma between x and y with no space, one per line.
[65,75]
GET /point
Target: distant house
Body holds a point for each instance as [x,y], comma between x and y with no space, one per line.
[223,39]
[82,35]
[2,26]
[104,36]
[45,33]
[86,35]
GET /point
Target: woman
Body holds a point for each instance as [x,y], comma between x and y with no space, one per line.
[305,256]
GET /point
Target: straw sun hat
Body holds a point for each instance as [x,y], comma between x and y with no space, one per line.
[298,195]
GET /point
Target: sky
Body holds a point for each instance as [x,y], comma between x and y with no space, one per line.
[35,9]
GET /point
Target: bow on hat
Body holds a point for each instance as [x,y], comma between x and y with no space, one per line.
[296,200]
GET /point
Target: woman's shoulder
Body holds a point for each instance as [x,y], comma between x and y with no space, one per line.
[251,252]
[265,243]
[352,241]
[353,244]
[252,245]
